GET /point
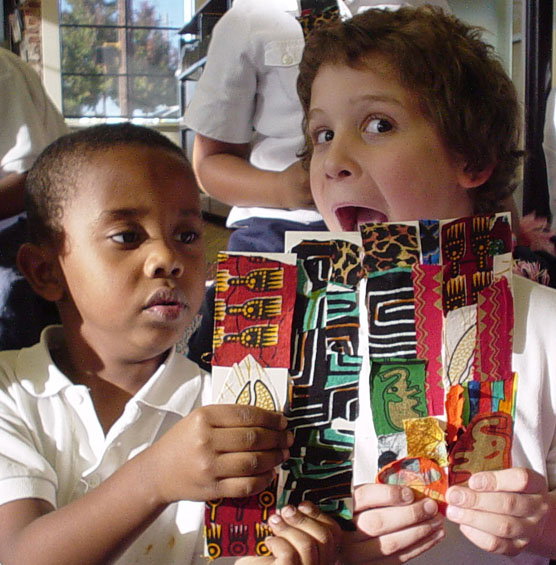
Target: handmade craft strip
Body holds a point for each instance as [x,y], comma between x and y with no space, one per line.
[235,527]
[460,291]
[325,375]
[254,306]
[485,445]
[254,303]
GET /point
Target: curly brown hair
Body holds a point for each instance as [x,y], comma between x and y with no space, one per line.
[460,84]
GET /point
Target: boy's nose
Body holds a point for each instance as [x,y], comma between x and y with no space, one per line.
[163,261]
[340,162]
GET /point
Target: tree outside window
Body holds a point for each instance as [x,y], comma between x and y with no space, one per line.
[119,58]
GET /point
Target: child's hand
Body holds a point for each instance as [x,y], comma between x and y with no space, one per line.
[219,451]
[302,536]
[391,526]
[501,511]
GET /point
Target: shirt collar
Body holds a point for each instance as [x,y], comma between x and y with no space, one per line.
[174,387]
[35,368]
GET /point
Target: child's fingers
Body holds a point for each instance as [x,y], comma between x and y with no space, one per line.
[236,440]
[492,543]
[375,495]
[240,487]
[249,463]
[313,540]
[314,512]
[283,551]
[507,503]
[381,521]
[309,518]
[517,479]
[241,416]
[396,547]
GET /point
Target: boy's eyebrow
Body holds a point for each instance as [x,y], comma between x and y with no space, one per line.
[132,213]
[363,98]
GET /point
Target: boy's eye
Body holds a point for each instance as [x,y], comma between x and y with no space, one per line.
[324,136]
[378,125]
[187,237]
[125,238]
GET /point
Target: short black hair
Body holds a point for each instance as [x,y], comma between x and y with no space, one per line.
[54,177]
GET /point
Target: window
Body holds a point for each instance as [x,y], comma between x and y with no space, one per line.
[119,57]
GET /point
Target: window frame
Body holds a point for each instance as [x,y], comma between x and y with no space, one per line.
[52,63]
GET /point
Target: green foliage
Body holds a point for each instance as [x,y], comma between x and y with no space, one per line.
[103,71]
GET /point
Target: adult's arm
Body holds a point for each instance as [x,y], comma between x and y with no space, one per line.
[224,172]
[11,194]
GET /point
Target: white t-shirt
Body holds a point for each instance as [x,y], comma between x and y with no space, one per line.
[29,121]
[52,445]
[247,91]
[534,441]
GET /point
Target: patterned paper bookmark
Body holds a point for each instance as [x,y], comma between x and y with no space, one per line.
[437,427]
[323,403]
[254,304]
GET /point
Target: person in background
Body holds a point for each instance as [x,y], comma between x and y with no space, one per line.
[29,121]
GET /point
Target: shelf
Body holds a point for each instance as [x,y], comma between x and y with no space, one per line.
[211,10]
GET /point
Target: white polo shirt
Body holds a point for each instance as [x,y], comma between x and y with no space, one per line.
[29,121]
[52,445]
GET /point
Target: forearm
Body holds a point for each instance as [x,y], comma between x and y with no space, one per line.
[11,194]
[96,528]
[234,181]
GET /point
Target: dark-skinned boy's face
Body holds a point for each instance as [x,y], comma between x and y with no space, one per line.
[133,259]
[376,156]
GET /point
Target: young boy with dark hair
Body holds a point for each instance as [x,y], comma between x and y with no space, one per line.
[408,116]
[106,452]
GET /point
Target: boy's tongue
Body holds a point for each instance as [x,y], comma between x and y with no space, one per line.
[351,217]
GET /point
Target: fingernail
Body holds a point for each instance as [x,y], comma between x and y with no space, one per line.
[456,497]
[430,507]
[438,535]
[275,519]
[285,454]
[289,439]
[453,512]
[407,495]
[436,522]
[288,511]
[283,422]
[478,482]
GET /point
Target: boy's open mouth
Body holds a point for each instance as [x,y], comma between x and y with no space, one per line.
[351,217]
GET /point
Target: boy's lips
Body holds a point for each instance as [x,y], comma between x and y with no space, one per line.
[166,303]
[351,217]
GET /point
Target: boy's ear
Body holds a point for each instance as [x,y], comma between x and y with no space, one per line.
[470,178]
[39,265]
